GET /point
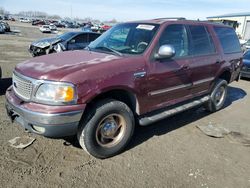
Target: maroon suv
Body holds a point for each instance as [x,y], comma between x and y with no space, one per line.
[135,72]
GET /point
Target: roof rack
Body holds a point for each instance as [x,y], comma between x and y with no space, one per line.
[171,18]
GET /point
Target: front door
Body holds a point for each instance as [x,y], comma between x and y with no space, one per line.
[78,42]
[169,79]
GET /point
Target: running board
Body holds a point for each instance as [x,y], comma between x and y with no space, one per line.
[144,121]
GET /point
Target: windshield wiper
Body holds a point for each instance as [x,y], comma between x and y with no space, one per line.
[109,49]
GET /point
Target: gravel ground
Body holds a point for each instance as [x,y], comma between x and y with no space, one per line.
[170,153]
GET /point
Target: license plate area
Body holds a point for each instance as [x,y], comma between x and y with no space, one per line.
[11,113]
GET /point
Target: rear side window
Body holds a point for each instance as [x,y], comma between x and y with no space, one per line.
[202,43]
[228,39]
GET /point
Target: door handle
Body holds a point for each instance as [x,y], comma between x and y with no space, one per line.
[185,67]
[139,74]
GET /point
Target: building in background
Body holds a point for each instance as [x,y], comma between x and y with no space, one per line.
[240,21]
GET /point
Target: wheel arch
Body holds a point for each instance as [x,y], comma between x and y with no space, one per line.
[225,75]
[121,94]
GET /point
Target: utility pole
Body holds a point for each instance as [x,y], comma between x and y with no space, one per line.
[71,11]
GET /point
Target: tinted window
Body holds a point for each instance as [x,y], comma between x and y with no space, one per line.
[93,36]
[82,38]
[176,35]
[228,39]
[202,43]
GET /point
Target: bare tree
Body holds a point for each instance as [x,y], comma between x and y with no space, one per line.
[55,17]
[2,11]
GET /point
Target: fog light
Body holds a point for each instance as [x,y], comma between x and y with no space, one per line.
[38,129]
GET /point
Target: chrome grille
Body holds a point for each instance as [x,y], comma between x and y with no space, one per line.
[22,87]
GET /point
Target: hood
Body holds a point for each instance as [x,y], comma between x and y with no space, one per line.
[58,65]
[246,62]
[46,42]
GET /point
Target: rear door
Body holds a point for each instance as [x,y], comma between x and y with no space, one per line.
[169,79]
[205,59]
[232,54]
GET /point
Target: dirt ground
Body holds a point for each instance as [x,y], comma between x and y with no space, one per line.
[171,153]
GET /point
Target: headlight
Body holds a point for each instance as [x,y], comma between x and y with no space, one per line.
[56,93]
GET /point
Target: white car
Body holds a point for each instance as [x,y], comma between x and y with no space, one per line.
[45,29]
[52,27]
[24,20]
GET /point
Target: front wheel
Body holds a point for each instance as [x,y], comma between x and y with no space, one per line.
[218,96]
[107,129]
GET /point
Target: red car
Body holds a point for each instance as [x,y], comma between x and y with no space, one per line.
[105,27]
[135,72]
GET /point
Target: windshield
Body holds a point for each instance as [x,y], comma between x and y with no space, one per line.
[66,36]
[128,38]
[247,55]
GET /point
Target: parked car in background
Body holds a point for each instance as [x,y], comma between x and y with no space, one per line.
[71,25]
[67,41]
[245,71]
[2,30]
[247,45]
[24,20]
[45,29]
[38,22]
[52,27]
[95,27]
[104,28]
[59,25]
[140,71]
[5,26]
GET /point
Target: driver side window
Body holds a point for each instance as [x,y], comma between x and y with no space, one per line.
[82,38]
[176,35]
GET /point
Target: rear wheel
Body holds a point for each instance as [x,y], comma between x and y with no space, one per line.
[218,96]
[107,129]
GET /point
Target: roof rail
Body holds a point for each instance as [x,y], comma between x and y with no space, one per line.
[171,18]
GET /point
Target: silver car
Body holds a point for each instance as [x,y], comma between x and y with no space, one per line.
[2,29]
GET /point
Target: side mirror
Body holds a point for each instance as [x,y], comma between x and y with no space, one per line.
[165,51]
[73,41]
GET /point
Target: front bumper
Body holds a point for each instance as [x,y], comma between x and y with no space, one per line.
[36,51]
[56,124]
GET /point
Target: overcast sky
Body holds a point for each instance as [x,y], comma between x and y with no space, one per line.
[124,10]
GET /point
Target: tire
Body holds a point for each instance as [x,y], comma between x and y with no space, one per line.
[218,96]
[99,134]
